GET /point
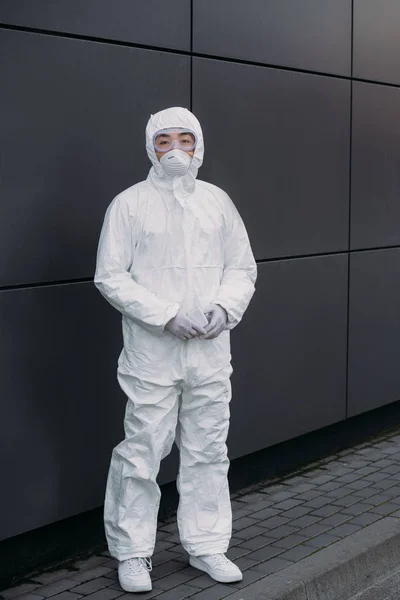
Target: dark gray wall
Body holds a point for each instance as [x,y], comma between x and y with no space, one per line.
[315,178]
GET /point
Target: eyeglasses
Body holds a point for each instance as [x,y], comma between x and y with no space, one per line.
[177,137]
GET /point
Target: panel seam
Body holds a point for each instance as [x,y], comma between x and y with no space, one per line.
[189,53]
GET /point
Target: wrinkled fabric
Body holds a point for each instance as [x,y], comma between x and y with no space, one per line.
[169,244]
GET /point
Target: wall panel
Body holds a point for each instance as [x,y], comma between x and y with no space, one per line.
[376,47]
[61,408]
[289,353]
[375,207]
[153,22]
[314,35]
[374,325]
[72,120]
[278,143]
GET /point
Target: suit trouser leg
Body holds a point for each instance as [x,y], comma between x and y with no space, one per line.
[132,494]
[204,513]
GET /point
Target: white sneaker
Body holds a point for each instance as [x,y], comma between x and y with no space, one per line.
[217,566]
[133,574]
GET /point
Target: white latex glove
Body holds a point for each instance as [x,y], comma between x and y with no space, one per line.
[182,327]
[217,321]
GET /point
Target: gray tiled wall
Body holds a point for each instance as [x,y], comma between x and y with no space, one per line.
[287,129]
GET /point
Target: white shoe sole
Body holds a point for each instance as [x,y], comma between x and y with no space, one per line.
[197,564]
[146,587]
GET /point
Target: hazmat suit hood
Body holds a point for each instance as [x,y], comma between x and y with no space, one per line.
[182,187]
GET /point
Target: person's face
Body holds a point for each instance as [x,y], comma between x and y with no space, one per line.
[164,140]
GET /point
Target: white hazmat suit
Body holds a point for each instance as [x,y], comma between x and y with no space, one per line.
[169,244]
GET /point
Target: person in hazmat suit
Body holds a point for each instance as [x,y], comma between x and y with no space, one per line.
[175,259]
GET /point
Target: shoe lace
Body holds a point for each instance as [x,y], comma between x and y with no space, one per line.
[221,559]
[139,565]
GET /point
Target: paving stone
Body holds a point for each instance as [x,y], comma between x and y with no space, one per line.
[321,479]
[89,562]
[273,522]
[309,495]
[345,529]
[323,540]
[365,519]
[173,539]
[264,554]
[28,597]
[325,511]
[297,553]
[245,563]
[280,532]
[190,571]
[249,532]
[385,509]
[396,514]
[104,594]
[367,492]
[375,477]
[304,521]
[335,519]
[68,596]
[202,582]
[386,484]
[163,545]
[56,587]
[50,576]
[166,555]
[356,509]
[242,512]
[237,552]
[366,470]
[314,530]
[173,580]
[347,500]
[256,542]
[377,499]
[317,502]
[166,568]
[289,541]
[113,576]
[384,462]
[395,468]
[297,479]
[287,504]
[328,487]
[266,513]
[18,590]
[235,540]
[340,492]
[216,592]
[91,586]
[243,522]
[143,595]
[359,484]
[179,593]
[279,496]
[340,470]
[169,527]
[249,576]
[89,574]
[273,565]
[256,506]
[296,512]
[112,563]
[303,487]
